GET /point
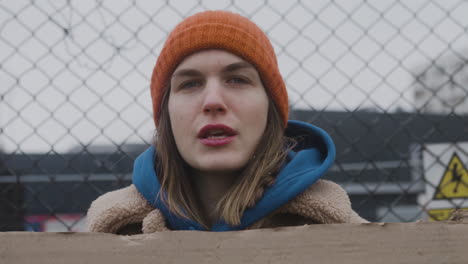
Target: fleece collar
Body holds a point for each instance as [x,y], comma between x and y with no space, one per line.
[310,159]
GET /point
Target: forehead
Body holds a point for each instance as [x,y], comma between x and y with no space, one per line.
[209,58]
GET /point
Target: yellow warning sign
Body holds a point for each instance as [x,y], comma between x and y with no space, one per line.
[441,214]
[454,182]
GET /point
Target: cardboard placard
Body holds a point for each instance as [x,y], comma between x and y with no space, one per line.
[434,242]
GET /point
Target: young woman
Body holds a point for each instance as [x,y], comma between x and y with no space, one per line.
[225,155]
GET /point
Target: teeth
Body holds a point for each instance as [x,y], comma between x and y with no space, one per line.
[216,137]
[215,132]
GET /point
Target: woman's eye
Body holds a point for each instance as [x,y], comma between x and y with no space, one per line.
[189,84]
[237,80]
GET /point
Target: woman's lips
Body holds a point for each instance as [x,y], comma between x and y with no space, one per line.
[213,142]
[216,135]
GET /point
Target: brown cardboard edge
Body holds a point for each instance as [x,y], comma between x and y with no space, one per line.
[421,242]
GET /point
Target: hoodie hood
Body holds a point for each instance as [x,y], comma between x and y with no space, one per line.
[313,155]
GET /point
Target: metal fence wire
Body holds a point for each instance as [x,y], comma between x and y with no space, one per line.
[387,79]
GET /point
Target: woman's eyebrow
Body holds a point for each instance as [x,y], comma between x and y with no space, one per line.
[186,73]
[229,68]
[237,66]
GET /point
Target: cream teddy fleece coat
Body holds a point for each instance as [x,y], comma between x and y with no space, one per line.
[323,203]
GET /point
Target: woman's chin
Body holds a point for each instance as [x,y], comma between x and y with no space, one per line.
[220,165]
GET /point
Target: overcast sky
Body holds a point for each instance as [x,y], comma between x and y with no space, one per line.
[76,73]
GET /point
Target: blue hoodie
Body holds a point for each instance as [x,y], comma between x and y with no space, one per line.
[310,159]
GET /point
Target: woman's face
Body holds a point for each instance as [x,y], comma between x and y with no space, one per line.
[218,110]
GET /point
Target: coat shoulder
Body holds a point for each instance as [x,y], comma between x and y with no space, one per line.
[323,202]
[117,210]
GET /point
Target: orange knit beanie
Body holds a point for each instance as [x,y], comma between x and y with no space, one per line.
[219,30]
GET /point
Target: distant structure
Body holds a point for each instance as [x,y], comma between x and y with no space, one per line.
[442,86]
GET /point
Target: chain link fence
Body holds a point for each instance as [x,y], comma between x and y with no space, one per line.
[387,79]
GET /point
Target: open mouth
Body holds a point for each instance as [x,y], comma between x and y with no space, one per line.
[216,134]
[216,131]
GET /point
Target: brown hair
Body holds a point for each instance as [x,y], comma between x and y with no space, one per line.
[174,173]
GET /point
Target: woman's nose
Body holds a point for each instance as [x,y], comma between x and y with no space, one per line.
[214,101]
